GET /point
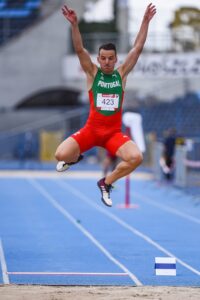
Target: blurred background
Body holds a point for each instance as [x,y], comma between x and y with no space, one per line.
[43,96]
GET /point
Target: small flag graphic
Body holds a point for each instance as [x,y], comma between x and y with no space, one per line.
[165,266]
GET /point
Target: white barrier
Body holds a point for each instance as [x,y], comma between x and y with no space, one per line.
[180,166]
[157,154]
[134,122]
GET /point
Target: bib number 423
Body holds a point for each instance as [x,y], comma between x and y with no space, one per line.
[108,101]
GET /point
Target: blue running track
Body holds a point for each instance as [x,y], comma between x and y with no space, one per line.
[55,230]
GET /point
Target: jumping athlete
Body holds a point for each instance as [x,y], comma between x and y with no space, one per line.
[105,86]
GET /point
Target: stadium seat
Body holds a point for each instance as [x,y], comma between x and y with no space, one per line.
[15,16]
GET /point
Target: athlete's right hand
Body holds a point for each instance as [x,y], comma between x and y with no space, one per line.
[70,15]
[150,12]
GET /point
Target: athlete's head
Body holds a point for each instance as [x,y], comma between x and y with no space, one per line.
[107,57]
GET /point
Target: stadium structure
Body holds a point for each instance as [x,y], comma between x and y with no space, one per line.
[43,97]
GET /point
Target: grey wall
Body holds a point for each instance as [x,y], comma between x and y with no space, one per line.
[33,61]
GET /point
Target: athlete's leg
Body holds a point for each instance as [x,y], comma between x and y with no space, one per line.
[109,163]
[68,151]
[120,145]
[67,154]
[131,158]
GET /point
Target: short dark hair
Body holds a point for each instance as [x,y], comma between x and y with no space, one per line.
[108,46]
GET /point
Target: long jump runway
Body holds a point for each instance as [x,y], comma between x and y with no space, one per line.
[55,230]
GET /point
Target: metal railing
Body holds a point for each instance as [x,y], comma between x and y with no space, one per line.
[16,139]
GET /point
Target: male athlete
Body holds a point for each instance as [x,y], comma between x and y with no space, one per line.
[105,86]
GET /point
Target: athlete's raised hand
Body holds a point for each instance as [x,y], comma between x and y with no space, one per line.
[150,12]
[69,14]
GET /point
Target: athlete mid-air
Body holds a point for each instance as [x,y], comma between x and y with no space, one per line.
[106,87]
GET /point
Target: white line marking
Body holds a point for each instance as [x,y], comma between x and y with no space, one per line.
[167,208]
[66,214]
[71,174]
[68,273]
[3,265]
[126,225]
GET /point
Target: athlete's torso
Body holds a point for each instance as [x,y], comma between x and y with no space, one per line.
[106,99]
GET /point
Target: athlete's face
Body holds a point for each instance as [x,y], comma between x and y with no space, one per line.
[107,60]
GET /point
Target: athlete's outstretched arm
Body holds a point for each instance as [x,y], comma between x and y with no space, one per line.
[135,52]
[83,55]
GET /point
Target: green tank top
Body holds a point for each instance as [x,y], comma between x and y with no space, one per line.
[107,92]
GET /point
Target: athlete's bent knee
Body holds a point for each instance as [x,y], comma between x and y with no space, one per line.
[135,159]
[139,158]
[62,155]
[59,155]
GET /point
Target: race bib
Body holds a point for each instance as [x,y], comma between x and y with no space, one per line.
[107,101]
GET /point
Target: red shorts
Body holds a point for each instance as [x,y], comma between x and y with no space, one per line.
[88,138]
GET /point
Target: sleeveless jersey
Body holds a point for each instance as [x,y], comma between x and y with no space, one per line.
[106,99]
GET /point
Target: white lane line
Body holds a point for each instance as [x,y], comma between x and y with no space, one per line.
[67,215]
[125,225]
[174,211]
[3,265]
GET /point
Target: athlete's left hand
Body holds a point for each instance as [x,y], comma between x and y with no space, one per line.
[150,12]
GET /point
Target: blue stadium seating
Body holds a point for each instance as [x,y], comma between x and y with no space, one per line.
[16,15]
[2,3]
[182,114]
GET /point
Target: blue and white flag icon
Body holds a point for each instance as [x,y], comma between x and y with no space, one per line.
[165,266]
